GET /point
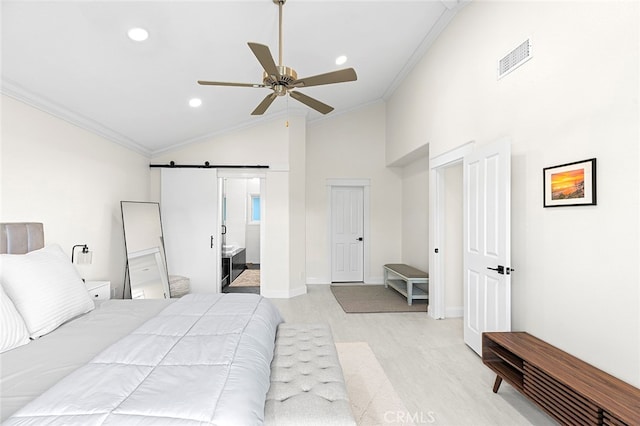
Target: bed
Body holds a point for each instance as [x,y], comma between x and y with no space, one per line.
[203,359]
[200,359]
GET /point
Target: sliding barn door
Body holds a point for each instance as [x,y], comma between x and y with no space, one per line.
[189,204]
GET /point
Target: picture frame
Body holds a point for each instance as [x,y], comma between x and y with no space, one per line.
[570,184]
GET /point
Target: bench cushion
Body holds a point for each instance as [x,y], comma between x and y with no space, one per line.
[307,385]
[406,270]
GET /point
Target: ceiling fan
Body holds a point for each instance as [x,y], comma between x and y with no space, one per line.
[282,80]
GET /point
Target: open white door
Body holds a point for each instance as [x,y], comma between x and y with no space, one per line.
[189,205]
[347,230]
[487,241]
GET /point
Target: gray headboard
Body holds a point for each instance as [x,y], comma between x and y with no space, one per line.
[21,238]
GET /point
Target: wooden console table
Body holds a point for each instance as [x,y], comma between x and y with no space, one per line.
[403,278]
[565,387]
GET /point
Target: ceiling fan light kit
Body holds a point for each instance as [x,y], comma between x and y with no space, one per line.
[283,80]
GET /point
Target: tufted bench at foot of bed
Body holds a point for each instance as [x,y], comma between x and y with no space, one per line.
[307,385]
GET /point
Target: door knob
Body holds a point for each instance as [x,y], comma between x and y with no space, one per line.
[500,269]
[359,238]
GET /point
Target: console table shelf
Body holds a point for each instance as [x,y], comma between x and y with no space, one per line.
[565,387]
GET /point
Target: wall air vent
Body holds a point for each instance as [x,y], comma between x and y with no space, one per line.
[515,58]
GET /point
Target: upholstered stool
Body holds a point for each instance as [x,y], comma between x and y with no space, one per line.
[307,385]
[178,286]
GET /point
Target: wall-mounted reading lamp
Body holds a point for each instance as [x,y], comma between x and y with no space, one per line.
[85,256]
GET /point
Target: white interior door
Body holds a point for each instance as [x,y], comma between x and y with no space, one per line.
[347,247]
[189,204]
[487,238]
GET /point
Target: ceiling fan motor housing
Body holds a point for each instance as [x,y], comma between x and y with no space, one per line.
[280,83]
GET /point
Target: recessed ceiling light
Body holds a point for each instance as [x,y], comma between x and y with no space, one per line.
[138,34]
[195,102]
[341,60]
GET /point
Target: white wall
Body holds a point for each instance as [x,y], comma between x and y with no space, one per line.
[267,143]
[72,181]
[297,181]
[415,214]
[351,146]
[576,280]
[235,193]
[240,231]
[453,242]
[252,236]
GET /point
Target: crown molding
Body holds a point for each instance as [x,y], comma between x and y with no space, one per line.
[14,90]
[335,114]
[452,7]
[256,121]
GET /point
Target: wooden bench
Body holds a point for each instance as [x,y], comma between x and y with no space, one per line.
[404,279]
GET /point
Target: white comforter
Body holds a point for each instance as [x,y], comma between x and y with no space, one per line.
[203,360]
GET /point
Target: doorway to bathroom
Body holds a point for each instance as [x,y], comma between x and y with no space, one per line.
[240,234]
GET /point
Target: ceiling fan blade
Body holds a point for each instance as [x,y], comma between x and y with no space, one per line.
[310,102]
[340,76]
[263,54]
[222,83]
[266,102]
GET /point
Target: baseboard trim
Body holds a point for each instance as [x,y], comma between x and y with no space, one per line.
[454,312]
[320,280]
[284,294]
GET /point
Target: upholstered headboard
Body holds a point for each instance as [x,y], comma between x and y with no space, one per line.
[21,238]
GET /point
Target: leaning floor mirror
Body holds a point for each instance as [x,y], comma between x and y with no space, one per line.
[146,265]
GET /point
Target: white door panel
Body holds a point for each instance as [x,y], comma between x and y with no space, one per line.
[472,302]
[487,230]
[189,203]
[347,213]
[474,207]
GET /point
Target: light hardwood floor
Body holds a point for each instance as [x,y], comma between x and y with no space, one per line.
[440,380]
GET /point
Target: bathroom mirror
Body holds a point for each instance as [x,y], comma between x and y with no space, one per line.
[146,264]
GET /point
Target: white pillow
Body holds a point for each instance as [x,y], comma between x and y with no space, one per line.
[13,332]
[45,288]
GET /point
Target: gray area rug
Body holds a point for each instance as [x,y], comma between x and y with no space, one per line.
[360,299]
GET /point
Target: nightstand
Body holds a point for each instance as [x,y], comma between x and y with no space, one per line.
[100,290]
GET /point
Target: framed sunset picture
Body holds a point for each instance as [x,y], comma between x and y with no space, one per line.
[571,184]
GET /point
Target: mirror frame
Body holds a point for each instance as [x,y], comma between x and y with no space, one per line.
[162,259]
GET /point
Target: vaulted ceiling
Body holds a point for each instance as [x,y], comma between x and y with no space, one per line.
[74,60]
